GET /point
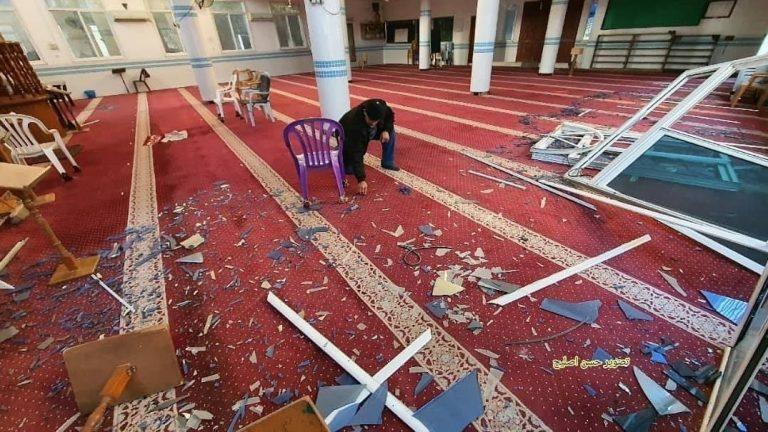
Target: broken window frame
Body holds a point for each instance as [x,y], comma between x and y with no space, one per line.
[744,360]
[717,73]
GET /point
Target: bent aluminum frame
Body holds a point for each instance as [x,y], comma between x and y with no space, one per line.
[371,383]
[717,74]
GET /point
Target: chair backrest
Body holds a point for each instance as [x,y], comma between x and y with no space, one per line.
[19,136]
[316,137]
[265,82]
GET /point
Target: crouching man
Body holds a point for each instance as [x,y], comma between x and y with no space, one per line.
[371,120]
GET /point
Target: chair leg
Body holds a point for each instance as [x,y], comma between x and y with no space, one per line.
[268,111]
[763,98]
[739,93]
[56,164]
[219,107]
[250,115]
[68,155]
[303,183]
[338,173]
[238,109]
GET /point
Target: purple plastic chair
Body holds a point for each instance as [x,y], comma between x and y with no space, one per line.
[321,141]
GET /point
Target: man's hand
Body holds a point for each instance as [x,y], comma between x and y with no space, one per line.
[362,188]
[384,137]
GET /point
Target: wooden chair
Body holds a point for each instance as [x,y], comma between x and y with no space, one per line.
[24,145]
[758,83]
[143,75]
[258,96]
[575,54]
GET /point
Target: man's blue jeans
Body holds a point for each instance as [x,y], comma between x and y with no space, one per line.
[387,153]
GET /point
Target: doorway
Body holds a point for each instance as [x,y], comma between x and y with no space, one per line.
[351,36]
[532,32]
[471,38]
[534,28]
[570,27]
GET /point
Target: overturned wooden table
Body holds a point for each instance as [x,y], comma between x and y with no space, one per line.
[22,179]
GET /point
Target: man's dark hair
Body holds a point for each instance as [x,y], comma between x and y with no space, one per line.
[375,110]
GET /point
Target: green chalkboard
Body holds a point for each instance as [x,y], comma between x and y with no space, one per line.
[626,14]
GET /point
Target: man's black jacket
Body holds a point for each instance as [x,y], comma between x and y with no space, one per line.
[357,134]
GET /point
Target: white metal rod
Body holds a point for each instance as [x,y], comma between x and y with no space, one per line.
[358,373]
[568,272]
[12,253]
[720,233]
[389,369]
[509,183]
[532,181]
[113,294]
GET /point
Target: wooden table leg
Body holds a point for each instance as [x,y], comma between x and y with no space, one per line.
[71,267]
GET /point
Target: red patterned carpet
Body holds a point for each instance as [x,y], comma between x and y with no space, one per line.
[217,188]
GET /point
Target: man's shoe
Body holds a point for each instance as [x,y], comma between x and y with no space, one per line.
[391,167]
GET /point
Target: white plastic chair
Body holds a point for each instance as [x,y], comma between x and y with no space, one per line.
[23,144]
[228,94]
[259,97]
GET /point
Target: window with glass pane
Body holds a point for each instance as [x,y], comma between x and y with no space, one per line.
[85,27]
[510,16]
[12,30]
[700,182]
[169,33]
[231,25]
[590,20]
[290,32]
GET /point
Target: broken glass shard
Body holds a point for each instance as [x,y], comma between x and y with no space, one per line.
[583,312]
[438,308]
[195,258]
[370,411]
[730,308]
[682,382]
[632,313]
[662,400]
[424,381]
[639,421]
[601,354]
[498,285]
[657,357]
[759,387]
[455,408]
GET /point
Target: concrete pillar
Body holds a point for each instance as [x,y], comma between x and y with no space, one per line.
[187,18]
[343,19]
[485,39]
[425,34]
[552,38]
[328,57]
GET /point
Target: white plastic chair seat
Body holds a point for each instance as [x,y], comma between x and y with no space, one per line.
[23,144]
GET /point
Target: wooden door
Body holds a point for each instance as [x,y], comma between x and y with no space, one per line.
[533,31]
[570,27]
[351,35]
[471,39]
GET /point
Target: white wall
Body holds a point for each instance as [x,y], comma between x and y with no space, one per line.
[748,25]
[140,46]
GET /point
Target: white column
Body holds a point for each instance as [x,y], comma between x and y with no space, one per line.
[425,34]
[485,39]
[552,38]
[194,45]
[343,19]
[328,57]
